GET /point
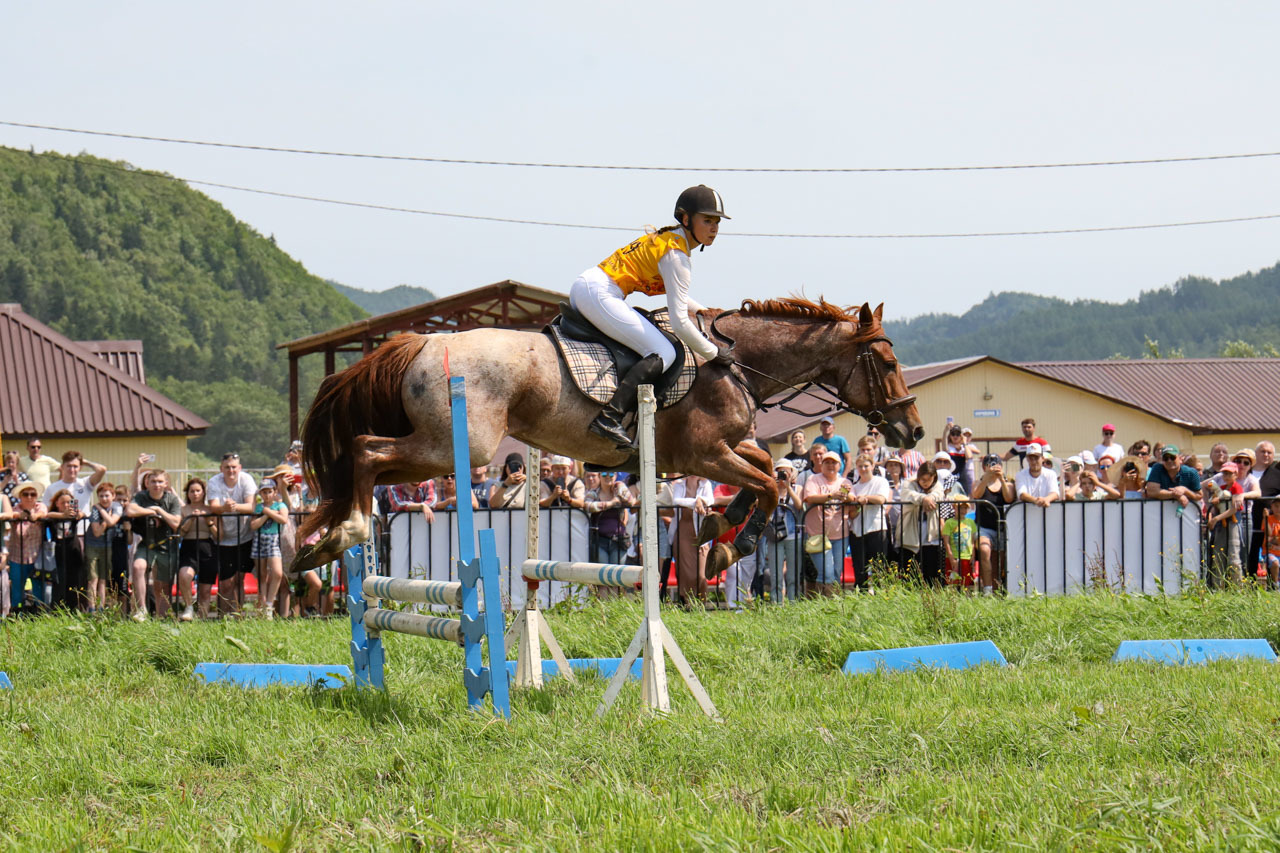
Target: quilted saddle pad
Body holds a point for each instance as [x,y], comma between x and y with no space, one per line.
[594,374]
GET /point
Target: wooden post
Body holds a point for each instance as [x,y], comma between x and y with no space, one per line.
[293,397]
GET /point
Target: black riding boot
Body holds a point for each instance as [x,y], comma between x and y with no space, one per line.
[608,424]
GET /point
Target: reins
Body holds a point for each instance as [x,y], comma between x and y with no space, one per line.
[875,381]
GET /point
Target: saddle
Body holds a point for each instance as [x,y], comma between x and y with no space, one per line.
[595,360]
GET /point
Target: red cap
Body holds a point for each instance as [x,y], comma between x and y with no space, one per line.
[1111,427]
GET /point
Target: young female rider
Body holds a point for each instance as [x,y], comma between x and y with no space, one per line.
[655,264]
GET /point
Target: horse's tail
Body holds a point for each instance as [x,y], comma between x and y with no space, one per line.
[364,399]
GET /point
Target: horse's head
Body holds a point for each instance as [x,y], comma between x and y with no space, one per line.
[819,343]
[870,382]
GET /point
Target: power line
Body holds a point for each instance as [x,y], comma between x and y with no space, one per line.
[634,229]
[1144,161]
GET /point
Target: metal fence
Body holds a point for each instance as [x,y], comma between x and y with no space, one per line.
[1137,546]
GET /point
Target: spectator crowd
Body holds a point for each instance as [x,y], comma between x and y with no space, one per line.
[148,545]
[847,514]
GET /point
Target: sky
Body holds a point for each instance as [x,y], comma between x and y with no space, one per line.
[702,85]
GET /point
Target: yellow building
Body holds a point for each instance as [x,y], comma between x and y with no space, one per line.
[86,396]
[1192,403]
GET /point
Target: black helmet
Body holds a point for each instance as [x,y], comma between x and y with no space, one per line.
[700,199]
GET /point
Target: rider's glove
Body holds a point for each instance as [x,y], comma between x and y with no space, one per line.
[724,356]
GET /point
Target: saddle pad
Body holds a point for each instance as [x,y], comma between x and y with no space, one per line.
[594,374]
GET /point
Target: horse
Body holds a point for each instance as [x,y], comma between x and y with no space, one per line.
[385,419]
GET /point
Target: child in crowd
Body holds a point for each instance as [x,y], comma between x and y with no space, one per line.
[1271,530]
[959,534]
[1224,526]
[99,541]
[270,515]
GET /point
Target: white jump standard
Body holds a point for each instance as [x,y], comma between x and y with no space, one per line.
[652,637]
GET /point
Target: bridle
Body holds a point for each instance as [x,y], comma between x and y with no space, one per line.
[875,382]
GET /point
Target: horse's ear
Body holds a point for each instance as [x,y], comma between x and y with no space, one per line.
[879,312]
[865,317]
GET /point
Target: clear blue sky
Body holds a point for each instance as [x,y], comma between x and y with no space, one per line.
[848,84]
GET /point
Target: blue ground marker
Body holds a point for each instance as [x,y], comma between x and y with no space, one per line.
[1193,651]
[267,674]
[943,656]
[5,683]
[606,667]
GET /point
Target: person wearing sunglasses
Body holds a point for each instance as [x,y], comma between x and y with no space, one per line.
[38,467]
[1172,480]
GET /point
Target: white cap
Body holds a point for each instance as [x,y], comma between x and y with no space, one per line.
[1076,459]
[784,463]
[942,455]
[1086,457]
[562,460]
[1034,449]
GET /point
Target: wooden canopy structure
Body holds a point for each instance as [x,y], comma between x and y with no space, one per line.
[506,305]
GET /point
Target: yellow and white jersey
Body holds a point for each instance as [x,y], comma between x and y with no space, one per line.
[635,266]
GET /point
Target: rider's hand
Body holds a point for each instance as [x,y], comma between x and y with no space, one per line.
[724,356]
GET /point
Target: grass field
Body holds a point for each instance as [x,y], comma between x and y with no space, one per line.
[108,742]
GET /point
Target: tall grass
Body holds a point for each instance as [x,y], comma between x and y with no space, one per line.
[108,742]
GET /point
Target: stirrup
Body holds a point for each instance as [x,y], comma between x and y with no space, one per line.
[607,426]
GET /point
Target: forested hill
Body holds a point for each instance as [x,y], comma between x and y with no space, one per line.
[1195,317]
[385,301]
[100,250]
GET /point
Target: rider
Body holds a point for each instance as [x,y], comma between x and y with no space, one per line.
[657,263]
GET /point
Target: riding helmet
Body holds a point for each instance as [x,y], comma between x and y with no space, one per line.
[700,199]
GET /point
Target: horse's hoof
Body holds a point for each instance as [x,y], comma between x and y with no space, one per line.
[306,559]
[721,557]
[713,527]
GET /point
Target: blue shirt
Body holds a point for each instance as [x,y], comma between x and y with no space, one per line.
[836,444]
[1187,477]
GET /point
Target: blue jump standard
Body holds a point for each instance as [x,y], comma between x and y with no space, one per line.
[606,667]
[5,683]
[267,674]
[946,655]
[1193,651]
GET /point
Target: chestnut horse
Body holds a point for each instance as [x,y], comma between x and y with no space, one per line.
[385,419]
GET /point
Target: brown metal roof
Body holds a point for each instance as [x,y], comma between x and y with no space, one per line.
[925,372]
[1201,394]
[508,304]
[54,386]
[125,356]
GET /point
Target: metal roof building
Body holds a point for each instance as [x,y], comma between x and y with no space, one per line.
[505,305]
[54,386]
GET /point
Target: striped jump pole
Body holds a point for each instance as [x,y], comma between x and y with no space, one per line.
[367,587]
[652,638]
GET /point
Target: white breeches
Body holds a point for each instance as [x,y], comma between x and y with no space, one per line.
[596,297]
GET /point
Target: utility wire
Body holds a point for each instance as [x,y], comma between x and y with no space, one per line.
[635,229]
[1145,161]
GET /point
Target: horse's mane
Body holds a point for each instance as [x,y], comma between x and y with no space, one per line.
[800,309]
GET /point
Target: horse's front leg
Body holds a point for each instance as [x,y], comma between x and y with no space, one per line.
[749,467]
[372,456]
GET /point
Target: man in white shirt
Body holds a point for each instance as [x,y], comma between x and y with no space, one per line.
[231,495]
[1109,444]
[1036,484]
[81,488]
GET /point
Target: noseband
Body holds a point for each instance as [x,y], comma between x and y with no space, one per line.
[875,383]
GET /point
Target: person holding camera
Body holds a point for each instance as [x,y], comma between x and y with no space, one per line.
[509,492]
[782,550]
[992,494]
[562,489]
[608,504]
